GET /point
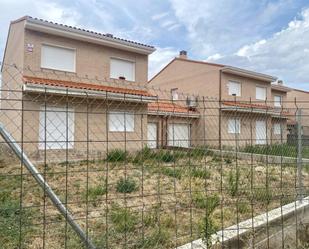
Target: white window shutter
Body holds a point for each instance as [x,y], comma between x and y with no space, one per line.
[122,68]
[234,88]
[277,129]
[121,121]
[233,126]
[260,93]
[58,128]
[58,58]
[277,101]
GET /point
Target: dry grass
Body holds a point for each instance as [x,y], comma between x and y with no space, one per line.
[162,212]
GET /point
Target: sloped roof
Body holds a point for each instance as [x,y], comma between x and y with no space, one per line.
[84,86]
[90,33]
[170,108]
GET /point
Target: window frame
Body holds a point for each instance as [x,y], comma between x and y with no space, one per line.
[62,47]
[236,122]
[275,129]
[261,87]
[174,90]
[122,59]
[124,129]
[280,104]
[234,82]
[54,109]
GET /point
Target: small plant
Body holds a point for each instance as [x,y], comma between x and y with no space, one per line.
[233,182]
[262,194]
[171,172]
[199,173]
[208,226]
[123,219]
[126,185]
[216,158]
[199,152]
[227,160]
[206,202]
[95,192]
[242,207]
[116,155]
[165,156]
[157,239]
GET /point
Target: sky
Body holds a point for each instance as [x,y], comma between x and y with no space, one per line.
[267,36]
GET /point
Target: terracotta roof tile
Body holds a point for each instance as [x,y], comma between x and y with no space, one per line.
[90,32]
[84,86]
[254,106]
[169,108]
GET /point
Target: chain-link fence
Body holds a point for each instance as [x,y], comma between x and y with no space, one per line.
[93,164]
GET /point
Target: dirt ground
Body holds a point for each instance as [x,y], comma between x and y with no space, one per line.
[165,205]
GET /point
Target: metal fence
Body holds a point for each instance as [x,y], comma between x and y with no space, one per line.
[88,163]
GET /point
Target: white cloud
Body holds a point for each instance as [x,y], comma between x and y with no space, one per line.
[159,16]
[285,54]
[223,26]
[159,59]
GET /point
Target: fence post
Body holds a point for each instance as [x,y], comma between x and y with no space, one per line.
[299,156]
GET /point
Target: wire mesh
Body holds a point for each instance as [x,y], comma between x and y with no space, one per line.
[141,167]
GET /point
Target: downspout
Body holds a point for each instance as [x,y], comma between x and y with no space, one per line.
[220,108]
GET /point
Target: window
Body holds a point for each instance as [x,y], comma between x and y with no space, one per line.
[174,94]
[234,88]
[260,93]
[234,125]
[277,101]
[277,129]
[122,68]
[56,130]
[58,58]
[121,121]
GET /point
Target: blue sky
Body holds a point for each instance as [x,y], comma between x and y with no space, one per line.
[269,36]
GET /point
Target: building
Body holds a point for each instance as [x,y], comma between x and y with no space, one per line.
[68,91]
[236,106]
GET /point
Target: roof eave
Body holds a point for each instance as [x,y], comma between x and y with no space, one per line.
[174,114]
[76,34]
[34,88]
[247,73]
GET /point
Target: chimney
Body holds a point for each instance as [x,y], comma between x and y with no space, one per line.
[183,54]
[280,82]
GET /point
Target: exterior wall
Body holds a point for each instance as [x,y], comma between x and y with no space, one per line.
[248,88]
[164,121]
[279,139]
[189,77]
[301,98]
[11,86]
[91,135]
[92,61]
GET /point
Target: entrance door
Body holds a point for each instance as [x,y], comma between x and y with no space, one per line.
[179,135]
[260,132]
[152,137]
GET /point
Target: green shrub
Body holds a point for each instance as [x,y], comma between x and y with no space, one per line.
[95,192]
[165,156]
[208,229]
[242,207]
[262,194]
[156,239]
[116,155]
[171,172]
[227,160]
[200,173]
[123,219]
[199,151]
[206,202]
[233,182]
[143,155]
[126,185]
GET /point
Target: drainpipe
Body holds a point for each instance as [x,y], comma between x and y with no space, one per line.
[220,106]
